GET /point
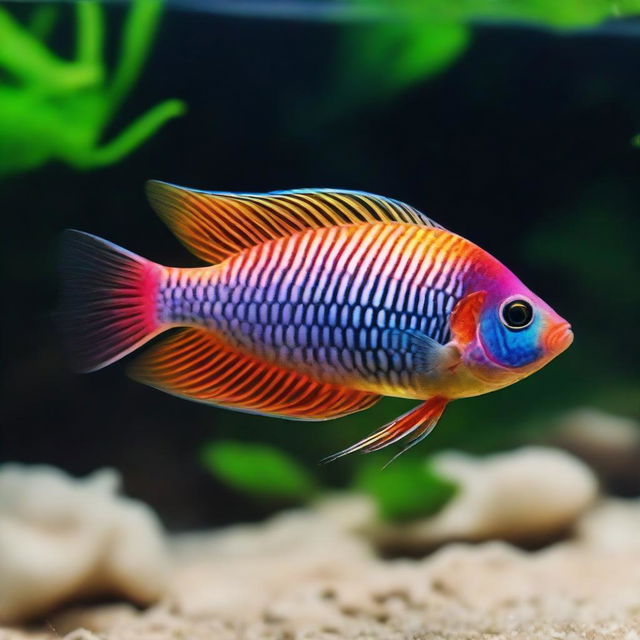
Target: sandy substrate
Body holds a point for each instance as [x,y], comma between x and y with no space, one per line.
[312,575]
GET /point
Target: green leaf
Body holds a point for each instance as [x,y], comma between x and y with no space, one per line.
[408,41]
[379,60]
[429,50]
[406,489]
[398,55]
[259,470]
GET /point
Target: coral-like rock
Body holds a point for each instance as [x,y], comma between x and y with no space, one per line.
[62,538]
[612,526]
[525,496]
[302,576]
[311,543]
[308,575]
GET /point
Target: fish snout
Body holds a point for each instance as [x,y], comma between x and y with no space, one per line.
[558,338]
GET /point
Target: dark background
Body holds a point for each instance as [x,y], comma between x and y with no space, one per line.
[523,146]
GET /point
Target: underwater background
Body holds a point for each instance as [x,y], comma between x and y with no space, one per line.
[517,136]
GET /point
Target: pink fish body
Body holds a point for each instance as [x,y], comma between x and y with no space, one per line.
[314,304]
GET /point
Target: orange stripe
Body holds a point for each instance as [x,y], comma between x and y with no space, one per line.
[212,372]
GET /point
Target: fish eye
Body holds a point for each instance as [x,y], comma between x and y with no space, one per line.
[516,314]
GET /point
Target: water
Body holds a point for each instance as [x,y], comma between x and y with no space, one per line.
[521,143]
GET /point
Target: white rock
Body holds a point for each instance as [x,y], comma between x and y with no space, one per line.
[299,576]
[526,495]
[63,538]
[228,564]
[609,444]
[594,429]
[613,525]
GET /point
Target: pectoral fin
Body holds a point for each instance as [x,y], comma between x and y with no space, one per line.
[428,354]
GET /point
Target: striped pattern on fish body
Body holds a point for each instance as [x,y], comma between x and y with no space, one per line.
[339,303]
[314,304]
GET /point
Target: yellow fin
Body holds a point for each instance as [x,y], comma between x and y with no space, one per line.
[194,364]
[215,225]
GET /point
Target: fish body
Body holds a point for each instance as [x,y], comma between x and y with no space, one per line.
[315,304]
[345,305]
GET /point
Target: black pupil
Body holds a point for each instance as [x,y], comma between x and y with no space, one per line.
[517,314]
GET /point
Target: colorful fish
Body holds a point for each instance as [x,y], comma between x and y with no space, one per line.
[313,305]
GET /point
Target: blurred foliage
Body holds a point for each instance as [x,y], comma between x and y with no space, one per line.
[387,57]
[593,255]
[409,40]
[259,470]
[57,109]
[593,248]
[408,488]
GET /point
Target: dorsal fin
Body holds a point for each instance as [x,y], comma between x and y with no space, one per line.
[215,225]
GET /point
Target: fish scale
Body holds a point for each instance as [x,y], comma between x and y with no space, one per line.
[334,320]
[315,303]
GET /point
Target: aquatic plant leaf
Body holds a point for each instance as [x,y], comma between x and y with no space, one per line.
[52,108]
[546,12]
[259,470]
[90,36]
[137,36]
[406,489]
[42,21]
[431,50]
[549,13]
[406,41]
[28,62]
[407,52]
[140,130]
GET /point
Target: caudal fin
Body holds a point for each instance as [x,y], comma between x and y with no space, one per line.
[108,305]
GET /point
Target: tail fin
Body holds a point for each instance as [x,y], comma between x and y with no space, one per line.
[108,305]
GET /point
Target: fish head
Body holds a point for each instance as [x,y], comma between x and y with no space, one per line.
[508,332]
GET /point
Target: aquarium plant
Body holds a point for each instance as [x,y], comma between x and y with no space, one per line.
[409,488]
[405,41]
[57,109]
[261,471]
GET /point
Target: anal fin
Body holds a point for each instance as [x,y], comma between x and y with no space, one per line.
[194,364]
[414,425]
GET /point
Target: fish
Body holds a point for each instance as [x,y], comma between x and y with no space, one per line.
[311,305]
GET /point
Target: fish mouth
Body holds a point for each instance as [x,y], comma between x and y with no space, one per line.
[558,338]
